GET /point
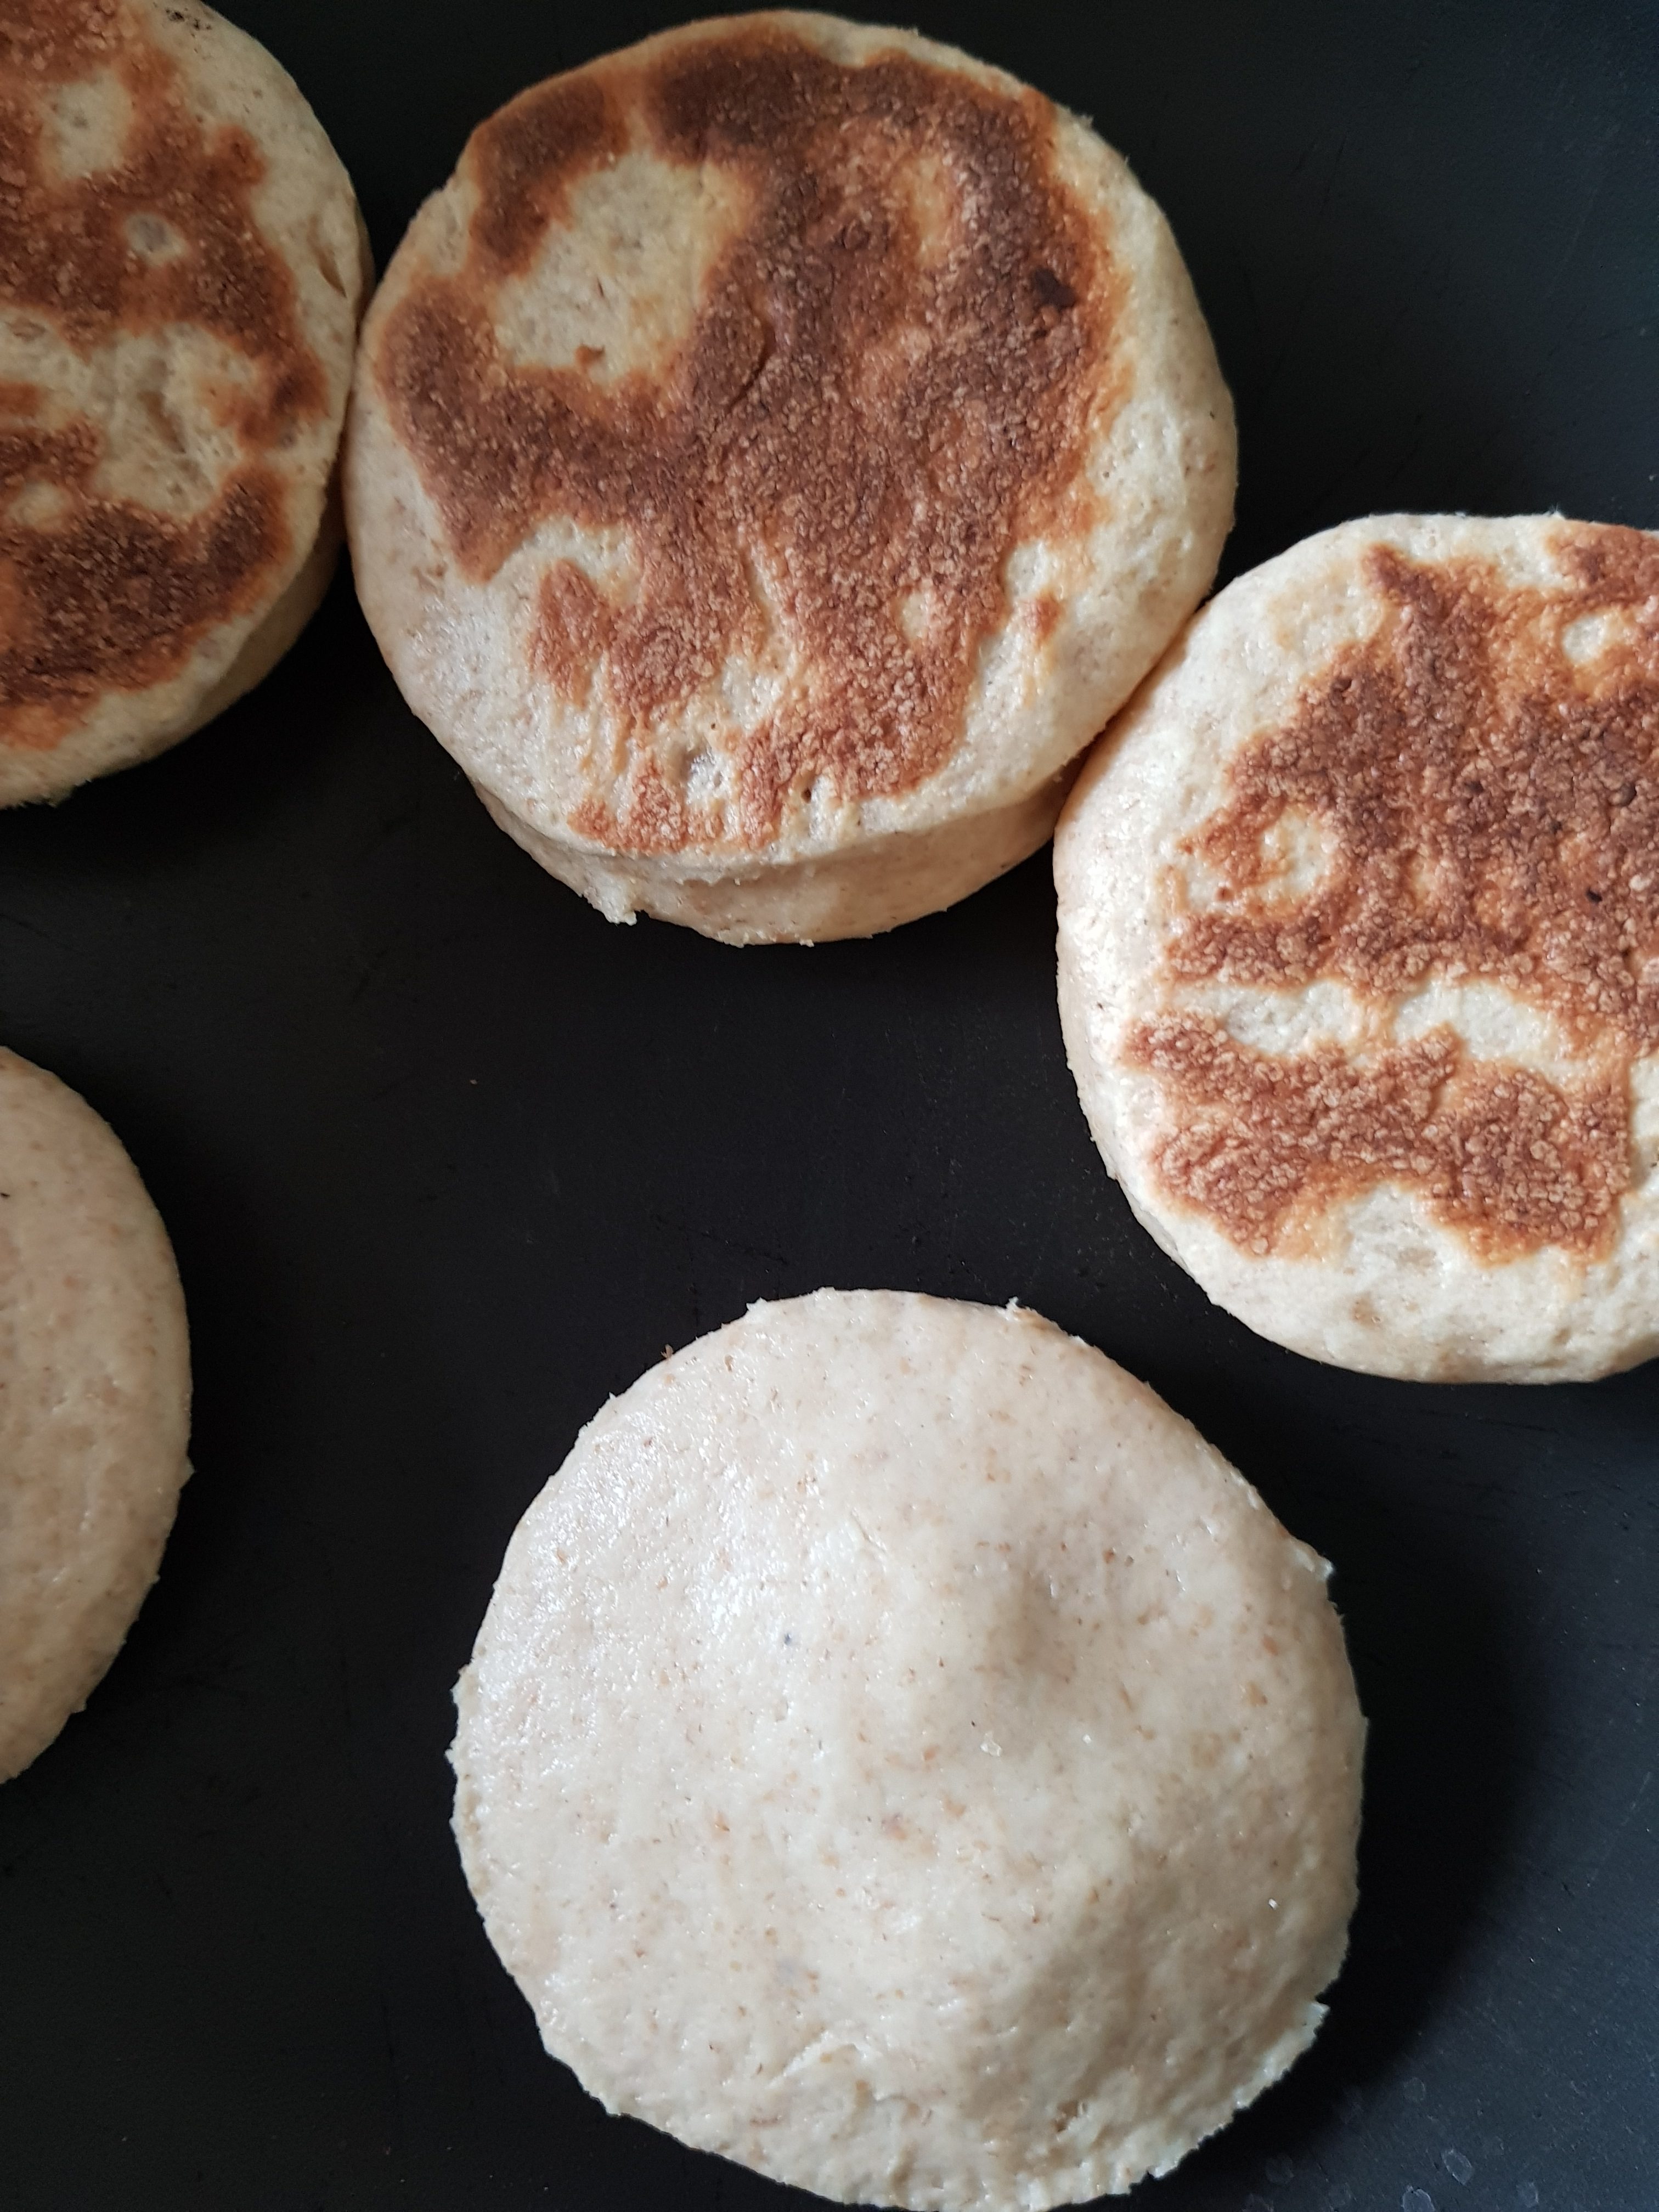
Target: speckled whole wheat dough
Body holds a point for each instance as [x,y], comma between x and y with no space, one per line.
[182,270]
[1499,920]
[902,1755]
[94,1403]
[754,794]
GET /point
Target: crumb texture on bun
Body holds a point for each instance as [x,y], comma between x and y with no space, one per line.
[1360,946]
[781,438]
[902,1755]
[94,1403]
[181,270]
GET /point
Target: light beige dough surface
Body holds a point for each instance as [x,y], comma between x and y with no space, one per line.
[1359,948]
[902,1755]
[94,1403]
[182,270]
[772,457]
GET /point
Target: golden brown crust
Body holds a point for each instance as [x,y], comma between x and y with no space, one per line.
[102,593]
[1488,805]
[1265,1144]
[525,158]
[873,405]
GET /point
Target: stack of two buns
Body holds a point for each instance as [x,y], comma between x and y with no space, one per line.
[773,456]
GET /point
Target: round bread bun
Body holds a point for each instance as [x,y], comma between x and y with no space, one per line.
[772,457]
[94,1403]
[1359,948]
[901,1755]
[182,267]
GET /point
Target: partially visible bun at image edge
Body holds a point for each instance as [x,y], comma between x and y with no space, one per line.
[901,1755]
[1358,948]
[182,269]
[94,1403]
[772,457]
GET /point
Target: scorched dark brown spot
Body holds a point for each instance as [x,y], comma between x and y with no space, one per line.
[1490,809]
[1050,292]
[101,594]
[853,425]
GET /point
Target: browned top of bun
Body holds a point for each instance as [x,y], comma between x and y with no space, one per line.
[99,592]
[1488,801]
[889,382]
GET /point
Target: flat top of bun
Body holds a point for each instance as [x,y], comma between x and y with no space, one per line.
[163,380]
[865,364]
[1479,776]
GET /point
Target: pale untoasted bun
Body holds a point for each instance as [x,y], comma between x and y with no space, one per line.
[94,1403]
[772,457]
[902,1755]
[1359,948]
[182,267]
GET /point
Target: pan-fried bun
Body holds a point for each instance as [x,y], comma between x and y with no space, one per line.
[902,1755]
[1359,948]
[772,457]
[94,1403]
[182,267]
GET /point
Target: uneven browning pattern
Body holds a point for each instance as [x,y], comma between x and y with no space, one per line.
[95,591]
[886,386]
[1483,777]
[1501,1154]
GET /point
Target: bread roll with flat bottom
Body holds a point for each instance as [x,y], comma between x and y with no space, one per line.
[94,1403]
[182,266]
[902,1755]
[1359,948]
[773,455]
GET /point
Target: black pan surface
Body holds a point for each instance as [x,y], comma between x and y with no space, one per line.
[446,1159]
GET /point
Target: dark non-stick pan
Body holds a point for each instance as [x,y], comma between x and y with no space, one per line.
[447,1157]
